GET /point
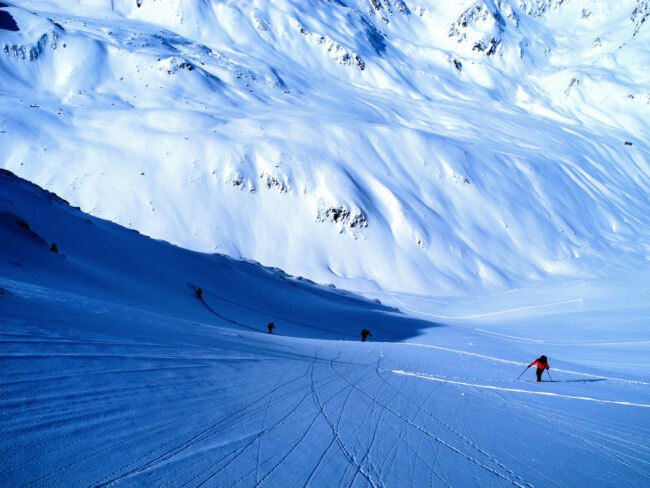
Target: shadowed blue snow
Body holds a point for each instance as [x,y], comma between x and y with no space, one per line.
[7,22]
[114,373]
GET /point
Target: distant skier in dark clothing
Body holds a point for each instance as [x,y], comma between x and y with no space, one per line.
[365,333]
[270,327]
[542,364]
[199,293]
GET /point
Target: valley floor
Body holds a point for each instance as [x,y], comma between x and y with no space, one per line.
[100,394]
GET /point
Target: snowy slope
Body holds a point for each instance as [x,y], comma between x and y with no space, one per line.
[114,373]
[419,146]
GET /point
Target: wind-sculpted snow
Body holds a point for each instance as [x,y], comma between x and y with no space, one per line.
[465,145]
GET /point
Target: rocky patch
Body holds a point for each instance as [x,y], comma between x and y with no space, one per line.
[386,8]
[640,15]
[574,83]
[643,98]
[11,221]
[535,8]
[239,181]
[343,217]
[336,51]
[172,65]
[32,53]
[273,182]
[467,29]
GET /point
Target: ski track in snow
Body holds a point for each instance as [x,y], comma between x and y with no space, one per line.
[507,336]
[482,356]
[433,436]
[517,390]
[527,308]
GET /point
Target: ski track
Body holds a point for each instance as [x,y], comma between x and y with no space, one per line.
[185,445]
[460,435]
[448,427]
[420,406]
[579,301]
[238,451]
[571,344]
[519,363]
[516,390]
[304,435]
[260,434]
[569,427]
[351,458]
[261,441]
[276,316]
[498,334]
[437,439]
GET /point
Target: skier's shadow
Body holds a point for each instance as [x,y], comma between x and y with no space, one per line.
[576,381]
[585,381]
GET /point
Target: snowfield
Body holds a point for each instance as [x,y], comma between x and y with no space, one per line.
[113,372]
[467,179]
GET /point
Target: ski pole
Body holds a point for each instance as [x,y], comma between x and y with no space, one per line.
[549,374]
[523,372]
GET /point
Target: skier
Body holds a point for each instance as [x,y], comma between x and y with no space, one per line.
[542,364]
[365,333]
[270,327]
[199,293]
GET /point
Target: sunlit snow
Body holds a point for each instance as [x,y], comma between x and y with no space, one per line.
[429,147]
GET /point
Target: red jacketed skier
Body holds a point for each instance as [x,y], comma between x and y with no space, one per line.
[542,364]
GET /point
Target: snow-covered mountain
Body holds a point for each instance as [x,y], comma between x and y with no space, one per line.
[403,149]
[422,146]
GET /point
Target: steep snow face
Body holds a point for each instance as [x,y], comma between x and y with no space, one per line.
[45,240]
[429,147]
